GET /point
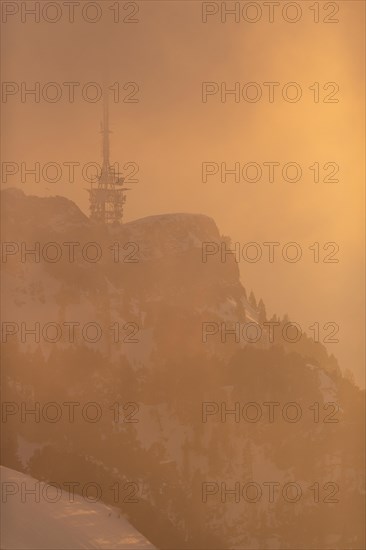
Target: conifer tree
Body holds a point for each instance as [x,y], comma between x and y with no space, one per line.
[252,300]
[262,312]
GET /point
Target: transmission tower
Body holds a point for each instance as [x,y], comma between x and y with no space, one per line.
[108,197]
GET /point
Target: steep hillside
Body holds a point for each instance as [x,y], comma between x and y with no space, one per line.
[110,378]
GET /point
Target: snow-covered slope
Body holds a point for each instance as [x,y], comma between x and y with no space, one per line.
[26,523]
[168,374]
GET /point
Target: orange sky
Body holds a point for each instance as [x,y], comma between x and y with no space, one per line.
[170,132]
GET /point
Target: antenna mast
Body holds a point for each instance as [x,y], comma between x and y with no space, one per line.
[108,198]
[105,131]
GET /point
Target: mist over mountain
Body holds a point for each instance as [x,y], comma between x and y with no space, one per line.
[191,406]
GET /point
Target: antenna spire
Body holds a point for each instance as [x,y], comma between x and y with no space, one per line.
[105,129]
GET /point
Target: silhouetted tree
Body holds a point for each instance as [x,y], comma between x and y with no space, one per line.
[252,300]
[262,312]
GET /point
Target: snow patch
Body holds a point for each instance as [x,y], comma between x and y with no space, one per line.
[61,525]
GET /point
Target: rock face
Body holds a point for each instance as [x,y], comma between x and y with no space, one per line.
[126,391]
[148,273]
